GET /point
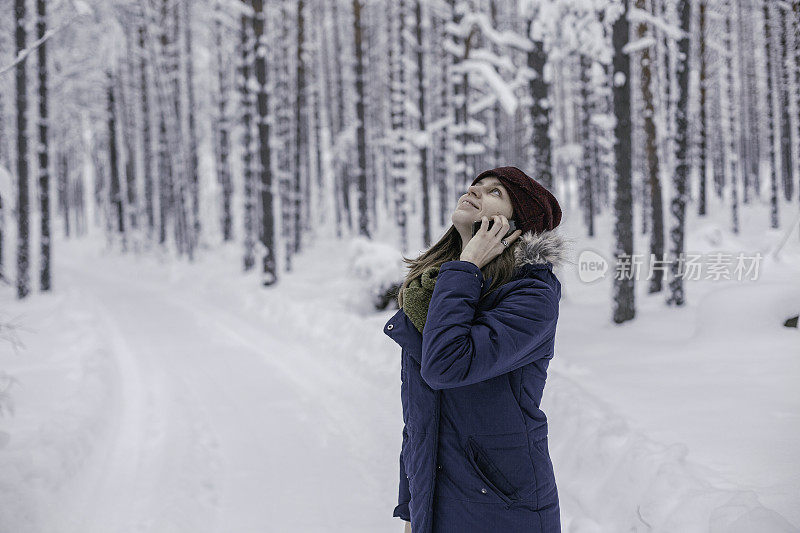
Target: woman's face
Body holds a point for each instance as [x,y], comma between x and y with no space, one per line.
[489,197]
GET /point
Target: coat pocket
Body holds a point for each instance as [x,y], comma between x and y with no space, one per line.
[489,473]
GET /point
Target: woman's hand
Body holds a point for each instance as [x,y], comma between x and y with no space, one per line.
[408,527]
[486,245]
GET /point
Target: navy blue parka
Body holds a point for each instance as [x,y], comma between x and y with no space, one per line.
[474,455]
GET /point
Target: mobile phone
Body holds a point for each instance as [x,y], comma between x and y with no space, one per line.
[511,227]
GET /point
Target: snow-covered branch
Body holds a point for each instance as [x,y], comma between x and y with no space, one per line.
[639,15]
[36,44]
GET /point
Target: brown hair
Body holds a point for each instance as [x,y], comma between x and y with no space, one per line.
[500,269]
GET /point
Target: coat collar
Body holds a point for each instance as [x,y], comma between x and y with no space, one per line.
[546,248]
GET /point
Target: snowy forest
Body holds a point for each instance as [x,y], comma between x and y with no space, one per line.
[198,197]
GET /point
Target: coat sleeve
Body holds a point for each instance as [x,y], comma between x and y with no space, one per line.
[462,346]
[404,494]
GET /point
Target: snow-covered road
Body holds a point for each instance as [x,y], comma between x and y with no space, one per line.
[217,425]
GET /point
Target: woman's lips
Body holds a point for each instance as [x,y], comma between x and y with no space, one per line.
[467,202]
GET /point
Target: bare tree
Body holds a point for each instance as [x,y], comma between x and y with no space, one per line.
[23,207]
[624,305]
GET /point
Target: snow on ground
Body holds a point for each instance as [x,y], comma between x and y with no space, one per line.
[160,396]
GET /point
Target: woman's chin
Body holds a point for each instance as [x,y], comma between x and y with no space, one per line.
[464,216]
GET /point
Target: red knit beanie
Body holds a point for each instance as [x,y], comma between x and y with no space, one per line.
[535,208]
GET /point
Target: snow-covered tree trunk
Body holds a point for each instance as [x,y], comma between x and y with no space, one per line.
[165,171]
[422,90]
[342,180]
[792,27]
[748,127]
[63,189]
[144,89]
[222,125]
[717,106]
[460,98]
[399,122]
[540,151]
[181,176]
[656,211]
[361,141]
[23,207]
[114,191]
[442,168]
[784,83]
[129,109]
[494,155]
[315,95]
[681,172]
[733,115]
[301,193]
[772,104]
[267,234]
[286,172]
[701,199]
[43,149]
[246,55]
[5,150]
[743,134]
[662,10]
[624,304]
[194,181]
[586,189]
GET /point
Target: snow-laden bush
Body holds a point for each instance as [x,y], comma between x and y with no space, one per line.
[376,271]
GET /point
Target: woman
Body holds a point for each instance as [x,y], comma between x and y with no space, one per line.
[475,352]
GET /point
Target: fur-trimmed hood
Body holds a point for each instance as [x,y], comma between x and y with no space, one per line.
[548,246]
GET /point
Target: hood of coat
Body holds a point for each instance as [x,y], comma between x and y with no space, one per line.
[549,246]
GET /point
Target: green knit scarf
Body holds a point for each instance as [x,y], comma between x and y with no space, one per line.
[417,296]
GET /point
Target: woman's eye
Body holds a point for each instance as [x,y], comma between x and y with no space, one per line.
[498,190]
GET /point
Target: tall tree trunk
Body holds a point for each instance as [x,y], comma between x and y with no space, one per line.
[586,188]
[624,304]
[796,25]
[301,182]
[5,161]
[784,81]
[128,122]
[64,189]
[442,169]
[772,114]
[315,96]
[246,49]
[427,231]
[745,126]
[23,207]
[146,132]
[733,151]
[399,96]
[361,141]
[342,180]
[44,148]
[166,175]
[460,105]
[680,176]
[194,182]
[115,192]
[181,177]
[702,201]
[222,127]
[286,158]
[267,234]
[540,151]
[652,168]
